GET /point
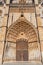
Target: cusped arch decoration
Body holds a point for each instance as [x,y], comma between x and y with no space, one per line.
[22,29]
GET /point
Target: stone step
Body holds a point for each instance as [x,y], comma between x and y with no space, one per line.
[23,63]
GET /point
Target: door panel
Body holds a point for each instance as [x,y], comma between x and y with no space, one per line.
[25,55]
[18,55]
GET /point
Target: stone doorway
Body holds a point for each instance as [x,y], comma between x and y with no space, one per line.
[22,50]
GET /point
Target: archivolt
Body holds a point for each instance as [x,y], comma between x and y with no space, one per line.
[22,29]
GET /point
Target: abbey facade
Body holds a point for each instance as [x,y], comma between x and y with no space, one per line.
[21,32]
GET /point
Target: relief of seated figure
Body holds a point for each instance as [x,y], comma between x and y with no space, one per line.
[14,1]
[30,1]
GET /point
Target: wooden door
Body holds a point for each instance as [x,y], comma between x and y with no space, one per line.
[22,50]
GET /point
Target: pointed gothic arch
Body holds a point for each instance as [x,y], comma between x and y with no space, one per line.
[22,26]
[19,32]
